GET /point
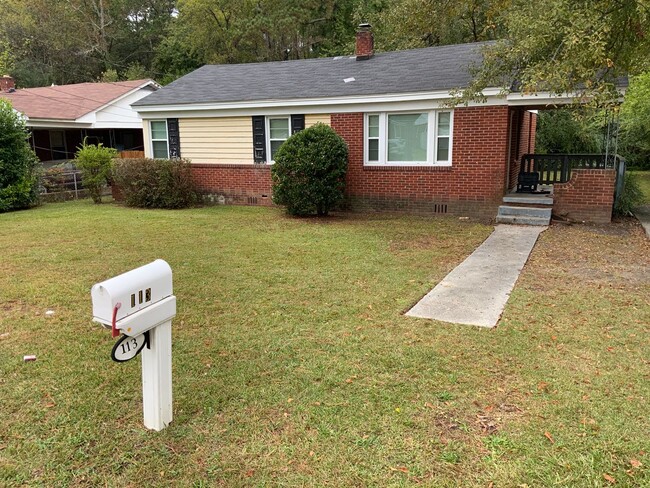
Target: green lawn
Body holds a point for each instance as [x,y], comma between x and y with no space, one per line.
[294,366]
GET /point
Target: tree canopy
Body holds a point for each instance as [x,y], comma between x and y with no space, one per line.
[550,45]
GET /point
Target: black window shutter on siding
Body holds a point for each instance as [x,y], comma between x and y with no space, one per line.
[173,136]
[297,123]
[259,139]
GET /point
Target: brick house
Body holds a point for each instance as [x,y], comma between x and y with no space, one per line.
[408,150]
[61,117]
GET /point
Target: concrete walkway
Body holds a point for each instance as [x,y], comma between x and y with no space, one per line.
[477,290]
[643,214]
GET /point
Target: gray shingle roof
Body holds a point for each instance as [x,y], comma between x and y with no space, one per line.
[416,70]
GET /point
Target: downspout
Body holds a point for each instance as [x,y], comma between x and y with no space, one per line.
[509,153]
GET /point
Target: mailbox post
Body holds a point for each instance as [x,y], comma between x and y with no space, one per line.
[140,304]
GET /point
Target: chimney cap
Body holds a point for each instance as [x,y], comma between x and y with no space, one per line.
[365,26]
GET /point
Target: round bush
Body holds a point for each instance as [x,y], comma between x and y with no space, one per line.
[309,171]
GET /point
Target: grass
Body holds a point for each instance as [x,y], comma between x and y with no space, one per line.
[293,363]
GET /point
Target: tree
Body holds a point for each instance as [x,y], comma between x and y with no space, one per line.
[309,171]
[635,122]
[566,131]
[18,163]
[563,46]
[408,24]
[69,41]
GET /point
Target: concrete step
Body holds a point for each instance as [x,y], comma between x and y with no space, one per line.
[525,211]
[518,220]
[528,199]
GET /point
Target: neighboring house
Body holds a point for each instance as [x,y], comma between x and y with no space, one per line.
[61,117]
[408,150]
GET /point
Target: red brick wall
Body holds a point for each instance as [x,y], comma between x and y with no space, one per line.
[241,184]
[588,196]
[473,185]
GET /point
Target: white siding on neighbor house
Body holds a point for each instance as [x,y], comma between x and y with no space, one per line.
[224,140]
[119,114]
[312,119]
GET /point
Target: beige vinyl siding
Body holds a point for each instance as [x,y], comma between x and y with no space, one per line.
[224,140]
[312,119]
[146,137]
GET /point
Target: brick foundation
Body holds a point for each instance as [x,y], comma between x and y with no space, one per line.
[588,196]
[473,185]
[237,184]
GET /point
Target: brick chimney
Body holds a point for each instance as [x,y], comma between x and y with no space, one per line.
[7,83]
[365,42]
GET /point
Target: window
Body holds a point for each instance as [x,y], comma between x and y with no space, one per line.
[278,130]
[409,139]
[159,140]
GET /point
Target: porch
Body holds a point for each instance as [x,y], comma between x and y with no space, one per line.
[58,145]
[573,187]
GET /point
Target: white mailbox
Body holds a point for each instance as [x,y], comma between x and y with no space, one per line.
[141,304]
[137,300]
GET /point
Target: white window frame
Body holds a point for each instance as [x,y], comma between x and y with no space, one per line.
[152,140]
[267,133]
[432,139]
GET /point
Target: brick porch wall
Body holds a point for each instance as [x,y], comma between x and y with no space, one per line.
[237,184]
[473,185]
[588,196]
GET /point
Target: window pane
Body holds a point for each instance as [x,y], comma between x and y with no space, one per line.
[373,125]
[159,129]
[373,150]
[160,149]
[444,119]
[443,149]
[279,128]
[407,137]
[275,145]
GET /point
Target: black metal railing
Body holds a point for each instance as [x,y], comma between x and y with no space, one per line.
[546,169]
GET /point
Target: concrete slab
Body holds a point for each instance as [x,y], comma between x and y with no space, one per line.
[643,214]
[476,291]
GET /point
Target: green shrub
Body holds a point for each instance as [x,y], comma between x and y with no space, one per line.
[155,183]
[631,197]
[18,163]
[95,162]
[309,171]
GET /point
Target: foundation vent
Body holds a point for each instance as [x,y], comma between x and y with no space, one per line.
[252,200]
[440,208]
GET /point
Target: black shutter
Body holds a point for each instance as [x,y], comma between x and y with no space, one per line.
[297,123]
[174,139]
[259,139]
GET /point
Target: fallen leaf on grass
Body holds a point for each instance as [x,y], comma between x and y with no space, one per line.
[249,473]
[549,437]
[609,478]
[636,463]
[401,469]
